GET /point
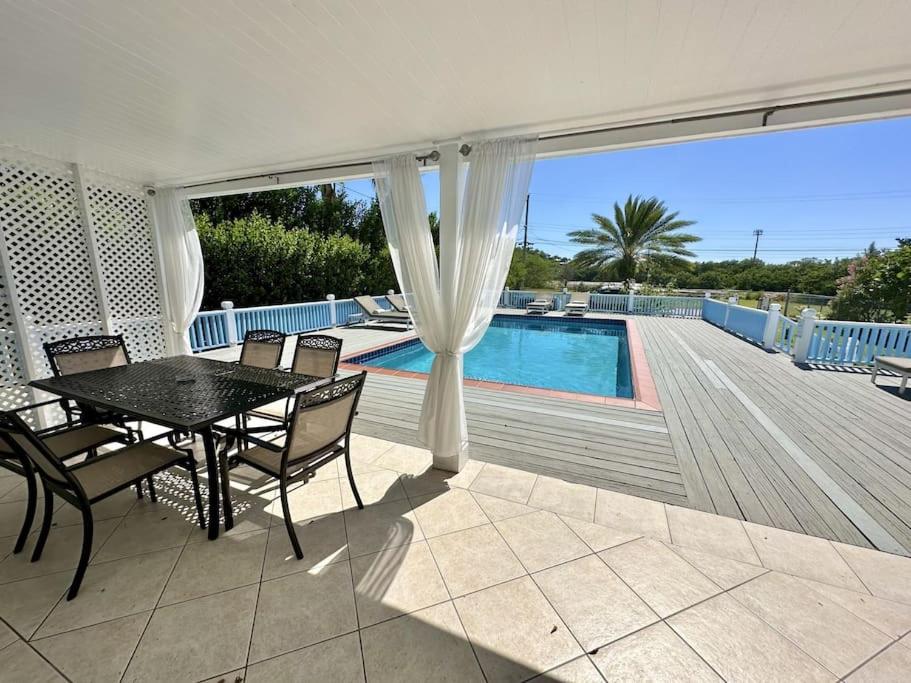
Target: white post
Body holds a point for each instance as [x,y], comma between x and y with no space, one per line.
[771,327]
[91,243]
[805,328]
[333,315]
[506,301]
[230,322]
[732,301]
[630,302]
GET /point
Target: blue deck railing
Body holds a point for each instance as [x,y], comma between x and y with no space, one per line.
[846,343]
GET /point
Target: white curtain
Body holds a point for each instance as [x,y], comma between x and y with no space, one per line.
[451,317]
[181,261]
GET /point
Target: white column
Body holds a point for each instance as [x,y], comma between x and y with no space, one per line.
[805,328]
[771,326]
[732,301]
[333,314]
[630,302]
[230,322]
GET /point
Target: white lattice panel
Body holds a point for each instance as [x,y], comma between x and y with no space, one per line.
[128,266]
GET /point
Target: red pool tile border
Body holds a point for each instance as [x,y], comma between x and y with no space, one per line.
[644,390]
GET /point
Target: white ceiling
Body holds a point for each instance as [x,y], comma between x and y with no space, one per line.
[165,90]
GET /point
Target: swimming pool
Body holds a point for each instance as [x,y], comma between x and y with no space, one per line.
[586,356]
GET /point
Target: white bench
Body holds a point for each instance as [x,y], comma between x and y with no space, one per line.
[896,364]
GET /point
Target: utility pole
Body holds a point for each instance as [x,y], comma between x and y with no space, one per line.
[525,241]
[757,233]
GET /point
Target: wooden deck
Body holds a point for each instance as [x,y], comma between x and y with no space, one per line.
[742,433]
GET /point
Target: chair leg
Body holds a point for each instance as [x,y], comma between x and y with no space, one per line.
[200,511]
[152,495]
[225,477]
[45,522]
[357,496]
[289,524]
[139,489]
[30,506]
[87,532]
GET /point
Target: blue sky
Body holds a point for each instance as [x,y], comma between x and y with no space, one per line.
[825,192]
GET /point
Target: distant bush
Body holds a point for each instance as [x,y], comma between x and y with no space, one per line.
[877,287]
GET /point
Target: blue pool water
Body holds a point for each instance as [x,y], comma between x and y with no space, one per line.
[585,356]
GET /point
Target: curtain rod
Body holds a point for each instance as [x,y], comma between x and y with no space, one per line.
[465,149]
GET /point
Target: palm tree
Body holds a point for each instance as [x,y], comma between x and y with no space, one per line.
[642,229]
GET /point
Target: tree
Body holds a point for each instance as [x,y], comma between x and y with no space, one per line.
[534,270]
[877,287]
[642,230]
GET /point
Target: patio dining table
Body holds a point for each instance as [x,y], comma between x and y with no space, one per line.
[186,393]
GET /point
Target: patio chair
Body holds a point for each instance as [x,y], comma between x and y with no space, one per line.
[65,442]
[316,355]
[577,304]
[397,301]
[262,349]
[538,306]
[89,481]
[373,312]
[319,432]
[897,364]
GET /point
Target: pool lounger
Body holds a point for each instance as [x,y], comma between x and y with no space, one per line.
[374,312]
[397,301]
[576,308]
[537,307]
[896,364]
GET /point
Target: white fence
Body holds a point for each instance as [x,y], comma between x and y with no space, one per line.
[634,304]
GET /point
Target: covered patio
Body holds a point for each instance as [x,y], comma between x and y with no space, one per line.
[731,533]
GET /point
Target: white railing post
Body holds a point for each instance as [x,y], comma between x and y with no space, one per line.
[230,322]
[732,301]
[771,327]
[805,328]
[630,302]
[333,315]
[507,302]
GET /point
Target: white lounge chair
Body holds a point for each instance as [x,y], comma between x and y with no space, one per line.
[373,312]
[538,307]
[896,364]
[577,304]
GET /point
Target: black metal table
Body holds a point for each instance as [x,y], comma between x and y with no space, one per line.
[183,392]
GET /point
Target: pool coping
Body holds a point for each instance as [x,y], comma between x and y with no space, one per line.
[644,390]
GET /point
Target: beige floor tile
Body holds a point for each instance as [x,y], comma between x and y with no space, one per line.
[7,635]
[660,577]
[741,647]
[395,582]
[515,632]
[428,645]
[196,639]
[25,604]
[504,482]
[113,589]
[236,676]
[206,568]
[382,486]
[367,448]
[11,517]
[474,558]
[726,573]
[114,507]
[577,671]
[302,609]
[95,653]
[406,460]
[146,528]
[323,541]
[597,536]
[10,485]
[906,641]
[541,540]
[378,527]
[337,660]
[721,536]
[885,575]
[629,513]
[500,508]
[434,480]
[19,662]
[60,553]
[653,654]
[593,602]
[894,664]
[443,513]
[563,497]
[830,634]
[889,617]
[800,555]
[309,501]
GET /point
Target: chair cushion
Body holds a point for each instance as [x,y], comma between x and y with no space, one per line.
[109,472]
[272,411]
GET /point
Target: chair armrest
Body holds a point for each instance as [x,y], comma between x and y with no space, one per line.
[268,445]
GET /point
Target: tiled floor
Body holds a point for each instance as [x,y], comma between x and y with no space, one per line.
[493,574]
